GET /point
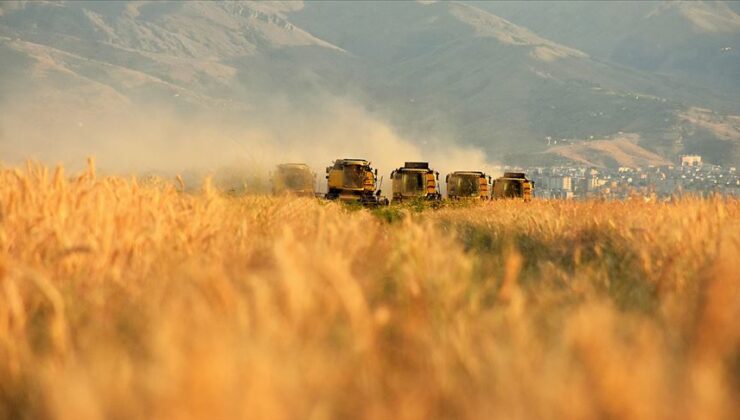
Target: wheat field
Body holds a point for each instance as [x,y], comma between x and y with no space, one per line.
[121,299]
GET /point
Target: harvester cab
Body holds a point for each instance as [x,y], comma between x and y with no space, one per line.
[415,180]
[295,179]
[353,180]
[513,185]
[468,184]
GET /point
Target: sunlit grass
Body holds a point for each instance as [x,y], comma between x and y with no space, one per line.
[124,299]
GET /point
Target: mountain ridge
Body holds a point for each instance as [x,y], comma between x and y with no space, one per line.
[438,73]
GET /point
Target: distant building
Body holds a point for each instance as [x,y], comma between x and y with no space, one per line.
[591,183]
[693,177]
[690,160]
[559,183]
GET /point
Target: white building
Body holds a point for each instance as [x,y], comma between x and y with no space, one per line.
[690,160]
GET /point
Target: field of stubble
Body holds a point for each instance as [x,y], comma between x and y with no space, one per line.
[128,300]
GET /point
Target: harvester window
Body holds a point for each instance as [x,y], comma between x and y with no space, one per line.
[413,183]
[354,176]
[511,188]
[517,189]
[464,185]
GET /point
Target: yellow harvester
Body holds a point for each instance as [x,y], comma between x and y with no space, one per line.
[353,180]
[415,180]
[468,184]
[294,178]
[513,185]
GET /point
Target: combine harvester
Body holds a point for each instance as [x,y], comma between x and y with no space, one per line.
[415,181]
[294,179]
[354,180]
[468,185]
[513,185]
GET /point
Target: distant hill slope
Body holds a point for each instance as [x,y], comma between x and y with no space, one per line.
[698,42]
[619,151]
[438,72]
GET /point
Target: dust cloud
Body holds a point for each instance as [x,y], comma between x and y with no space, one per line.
[238,148]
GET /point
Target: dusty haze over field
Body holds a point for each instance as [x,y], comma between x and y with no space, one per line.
[151,139]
